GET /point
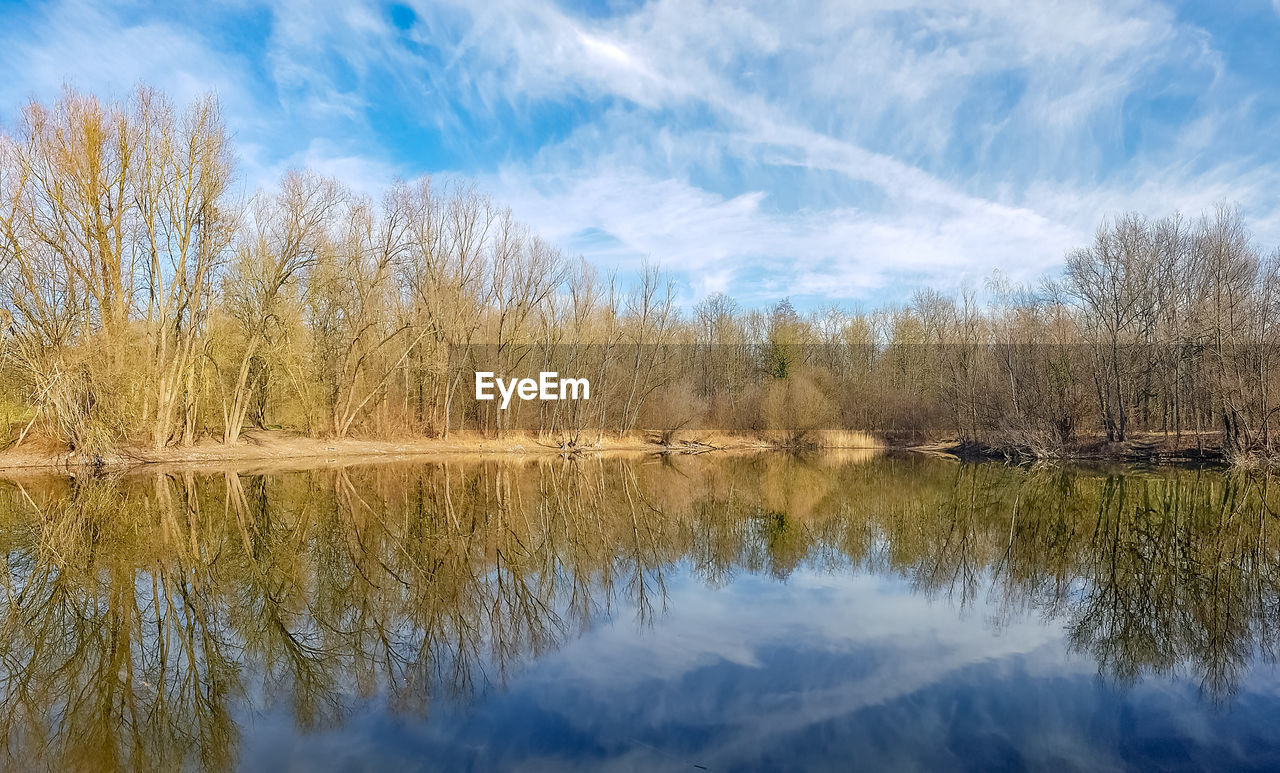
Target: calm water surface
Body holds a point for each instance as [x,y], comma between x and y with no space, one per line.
[678,613]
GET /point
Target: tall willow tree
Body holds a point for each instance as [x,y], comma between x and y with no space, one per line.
[116,218]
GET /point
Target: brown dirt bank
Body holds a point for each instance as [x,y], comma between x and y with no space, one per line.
[1141,448]
[276,449]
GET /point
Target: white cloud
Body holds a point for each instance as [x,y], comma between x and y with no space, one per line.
[825,148]
[873,93]
[914,643]
[840,253]
[93,48]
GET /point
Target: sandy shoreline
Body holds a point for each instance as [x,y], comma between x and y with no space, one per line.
[279,450]
[272,449]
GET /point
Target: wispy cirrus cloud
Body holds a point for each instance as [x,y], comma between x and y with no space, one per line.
[827,150]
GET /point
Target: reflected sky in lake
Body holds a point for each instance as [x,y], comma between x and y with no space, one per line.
[815,672]
[686,613]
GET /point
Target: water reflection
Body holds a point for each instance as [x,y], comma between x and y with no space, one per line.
[146,621]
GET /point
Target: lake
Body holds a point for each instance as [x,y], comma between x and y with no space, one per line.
[708,612]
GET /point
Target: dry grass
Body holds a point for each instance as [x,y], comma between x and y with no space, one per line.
[820,439]
[845,438]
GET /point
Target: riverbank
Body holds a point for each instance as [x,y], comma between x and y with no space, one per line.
[275,446]
[1143,448]
[275,449]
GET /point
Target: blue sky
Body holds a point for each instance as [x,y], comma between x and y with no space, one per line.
[841,151]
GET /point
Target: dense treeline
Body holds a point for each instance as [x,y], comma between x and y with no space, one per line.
[163,603]
[142,299]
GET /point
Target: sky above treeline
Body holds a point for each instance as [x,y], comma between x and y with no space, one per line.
[844,152]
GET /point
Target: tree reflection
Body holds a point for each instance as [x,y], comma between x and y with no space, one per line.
[141,615]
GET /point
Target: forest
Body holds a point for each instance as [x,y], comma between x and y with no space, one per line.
[147,299]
